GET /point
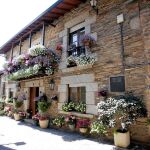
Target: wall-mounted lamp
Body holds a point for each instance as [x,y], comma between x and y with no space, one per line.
[51,84]
[94,5]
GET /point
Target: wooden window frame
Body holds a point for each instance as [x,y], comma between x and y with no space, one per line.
[78,94]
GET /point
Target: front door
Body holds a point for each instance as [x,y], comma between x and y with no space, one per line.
[34,92]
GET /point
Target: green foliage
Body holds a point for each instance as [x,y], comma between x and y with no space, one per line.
[43,106]
[59,121]
[148,121]
[2,105]
[10,100]
[69,106]
[2,112]
[79,107]
[124,109]
[98,127]
[18,103]
[129,97]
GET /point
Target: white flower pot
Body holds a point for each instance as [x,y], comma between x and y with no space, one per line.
[10,113]
[122,139]
[83,130]
[17,117]
[43,123]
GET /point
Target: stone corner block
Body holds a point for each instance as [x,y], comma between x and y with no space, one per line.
[62,88]
[91,109]
[60,106]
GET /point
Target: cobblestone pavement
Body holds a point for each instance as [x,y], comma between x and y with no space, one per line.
[20,136]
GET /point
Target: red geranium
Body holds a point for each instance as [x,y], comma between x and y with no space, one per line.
[83,123]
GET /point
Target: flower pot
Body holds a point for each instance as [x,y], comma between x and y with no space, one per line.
[87,43]
[17,117]
[83,130]
[43,123]
[71,126]
[36,122]
[10,113]
[122,139]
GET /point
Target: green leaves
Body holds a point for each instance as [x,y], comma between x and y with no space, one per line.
[98,127]
[43,106]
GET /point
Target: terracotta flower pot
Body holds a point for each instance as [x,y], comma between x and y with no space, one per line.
[43,123]
[17,117]
[83,130]
[122,139]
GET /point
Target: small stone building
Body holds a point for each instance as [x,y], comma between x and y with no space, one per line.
[121,29]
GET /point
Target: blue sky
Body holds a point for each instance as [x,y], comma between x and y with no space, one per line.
[16,14]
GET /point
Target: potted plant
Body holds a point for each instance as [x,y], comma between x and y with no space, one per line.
[43,121]
[18,107]
[58,121]
[35,118]
[120,112]
[69,106]
[80,107]
[83,125]
[59,49]
[88,40]
[98,128]
[43,107]
[22,115]
[71,121]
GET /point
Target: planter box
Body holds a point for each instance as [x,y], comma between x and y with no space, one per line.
[122,139]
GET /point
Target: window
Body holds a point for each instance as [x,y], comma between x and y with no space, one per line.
[117,84]
[77,94]
[76,48]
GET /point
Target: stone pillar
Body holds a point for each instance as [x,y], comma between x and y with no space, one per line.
[63,63]
[63,95]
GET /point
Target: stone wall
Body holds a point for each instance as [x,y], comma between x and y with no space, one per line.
[36,38]
[16,50]
[25,46]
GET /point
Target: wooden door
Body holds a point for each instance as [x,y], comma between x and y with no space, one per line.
[32,100]
[34,92]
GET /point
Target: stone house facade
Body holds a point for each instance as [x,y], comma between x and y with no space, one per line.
[122,54]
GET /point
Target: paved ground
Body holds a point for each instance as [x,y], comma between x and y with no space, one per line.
[20,136]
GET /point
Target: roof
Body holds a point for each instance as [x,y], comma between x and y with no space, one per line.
[48,16]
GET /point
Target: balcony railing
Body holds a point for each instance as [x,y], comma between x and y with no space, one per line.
[76,51]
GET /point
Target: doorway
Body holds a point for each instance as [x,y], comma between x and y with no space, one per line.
[34,92]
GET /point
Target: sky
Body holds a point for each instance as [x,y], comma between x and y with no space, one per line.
[16,14]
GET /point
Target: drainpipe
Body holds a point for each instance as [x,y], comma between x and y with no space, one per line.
[120,20]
